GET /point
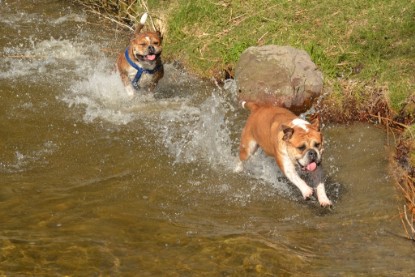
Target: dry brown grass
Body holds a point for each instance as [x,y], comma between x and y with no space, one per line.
[366,102]
[357,101]
[406,185]
[127,13]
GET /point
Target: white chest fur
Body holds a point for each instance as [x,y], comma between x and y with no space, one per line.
[145,80]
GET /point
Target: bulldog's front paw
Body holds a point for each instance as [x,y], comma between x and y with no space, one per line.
[130,90]
[322,196]
[325,203]
[239,167]
[307,192]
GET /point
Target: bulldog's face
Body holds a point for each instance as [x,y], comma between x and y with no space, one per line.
[304,145]
[146,47]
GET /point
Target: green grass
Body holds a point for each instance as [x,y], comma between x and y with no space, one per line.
[363,40]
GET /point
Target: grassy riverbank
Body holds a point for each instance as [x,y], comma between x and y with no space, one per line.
[365,49]
[370,43]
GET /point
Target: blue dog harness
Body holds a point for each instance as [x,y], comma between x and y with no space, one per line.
[140,70]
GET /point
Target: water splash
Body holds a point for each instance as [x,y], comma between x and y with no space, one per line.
[196,128]
[18,19]
[55,57]
[198,133]
[102,96]
[26,161]
[195,122]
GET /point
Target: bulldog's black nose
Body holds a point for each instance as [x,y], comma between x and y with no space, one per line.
[312,155]
[151,49]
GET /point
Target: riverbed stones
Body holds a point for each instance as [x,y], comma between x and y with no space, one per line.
[279,75]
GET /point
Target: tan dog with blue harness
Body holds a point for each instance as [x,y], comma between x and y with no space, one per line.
[140,65]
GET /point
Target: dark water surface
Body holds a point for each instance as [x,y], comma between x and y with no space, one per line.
[95,184]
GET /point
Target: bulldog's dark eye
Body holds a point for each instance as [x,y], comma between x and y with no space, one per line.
[301,147]
[156,43]
[317,145]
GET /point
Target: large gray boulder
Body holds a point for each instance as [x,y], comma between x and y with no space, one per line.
[278,75]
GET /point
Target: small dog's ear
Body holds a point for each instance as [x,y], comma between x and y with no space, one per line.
[138,29]
[316,123]
[160,36]
[288,132]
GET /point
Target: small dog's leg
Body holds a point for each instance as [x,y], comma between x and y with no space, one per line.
[130,90]
[322,197]
[317,179]
[246,149]
[289,170]
[152,87]
[127,83]
[239,167]
[306,191]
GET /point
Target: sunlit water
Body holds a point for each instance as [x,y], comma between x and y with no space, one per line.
[93,183]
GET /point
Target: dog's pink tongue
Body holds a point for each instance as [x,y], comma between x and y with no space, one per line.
[151,57]
[311,166]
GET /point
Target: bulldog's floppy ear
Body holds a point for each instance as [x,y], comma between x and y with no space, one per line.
[138,29]
[316,123]
[288,132]
[160,36]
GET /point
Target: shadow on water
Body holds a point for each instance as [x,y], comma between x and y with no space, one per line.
[94,183]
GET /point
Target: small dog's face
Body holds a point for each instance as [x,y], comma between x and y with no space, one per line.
[146,47]
[304,145]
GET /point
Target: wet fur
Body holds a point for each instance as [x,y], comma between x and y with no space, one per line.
[293,142]
[142,45]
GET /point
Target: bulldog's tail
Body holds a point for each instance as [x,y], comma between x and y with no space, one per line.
[252,106]
[143,20]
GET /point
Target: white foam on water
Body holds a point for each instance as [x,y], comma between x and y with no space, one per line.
[191,132]
[72,17]
[265,168]
[29,160]
[198,133]
[101,93]
[101,96]
[59,49]
[17,19]
[201,134]
[51,57]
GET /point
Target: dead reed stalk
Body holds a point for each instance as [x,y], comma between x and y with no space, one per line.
[124,13]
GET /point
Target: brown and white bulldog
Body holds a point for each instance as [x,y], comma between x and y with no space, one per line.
[140,65]
[293,142]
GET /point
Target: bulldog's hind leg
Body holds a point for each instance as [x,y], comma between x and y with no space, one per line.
[247,147]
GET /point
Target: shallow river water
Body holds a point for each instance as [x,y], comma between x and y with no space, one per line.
[95,184]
